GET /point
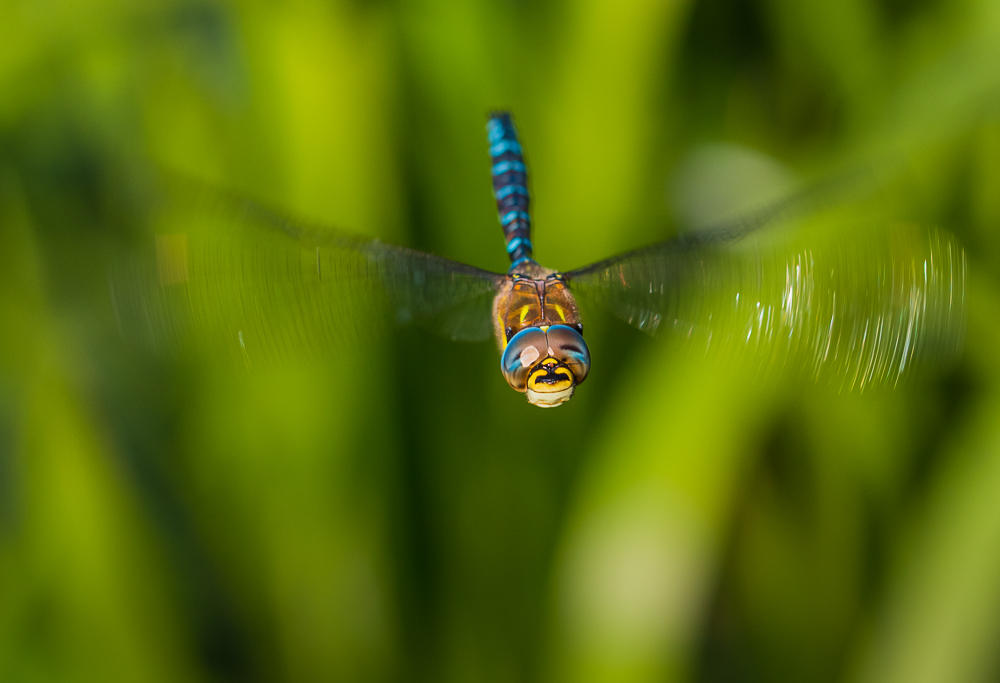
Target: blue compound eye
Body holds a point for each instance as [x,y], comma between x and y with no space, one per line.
[524,350]
[566,345]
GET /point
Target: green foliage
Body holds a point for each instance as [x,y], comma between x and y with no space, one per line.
[395,512]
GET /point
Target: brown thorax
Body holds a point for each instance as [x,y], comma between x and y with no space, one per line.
[533,297]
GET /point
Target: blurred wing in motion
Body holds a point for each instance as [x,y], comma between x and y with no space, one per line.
[230,274]
[855,307]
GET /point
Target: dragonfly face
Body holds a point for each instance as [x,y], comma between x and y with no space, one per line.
[539,332]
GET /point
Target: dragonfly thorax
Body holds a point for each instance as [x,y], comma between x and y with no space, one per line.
[538,299]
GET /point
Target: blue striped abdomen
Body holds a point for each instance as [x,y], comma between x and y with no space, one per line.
[510,185]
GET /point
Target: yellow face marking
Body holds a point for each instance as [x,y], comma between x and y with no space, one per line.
[564,382]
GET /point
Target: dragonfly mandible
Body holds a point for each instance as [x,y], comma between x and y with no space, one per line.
[864,309]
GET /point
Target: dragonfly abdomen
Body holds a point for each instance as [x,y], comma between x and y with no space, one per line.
[510,185]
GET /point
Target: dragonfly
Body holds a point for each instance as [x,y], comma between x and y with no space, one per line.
[864,308]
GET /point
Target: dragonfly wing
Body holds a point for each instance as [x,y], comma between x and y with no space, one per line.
[857,307]
[228,273]
[708,254]
[469,320]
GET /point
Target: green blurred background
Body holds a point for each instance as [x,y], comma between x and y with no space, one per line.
[360,519]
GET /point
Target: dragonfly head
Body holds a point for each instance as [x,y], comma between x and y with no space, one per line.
[546,364]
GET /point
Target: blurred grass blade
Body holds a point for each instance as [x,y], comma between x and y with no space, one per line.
[938,620]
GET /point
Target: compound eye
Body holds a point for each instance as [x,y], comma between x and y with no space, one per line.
[524,349]
[567,346]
